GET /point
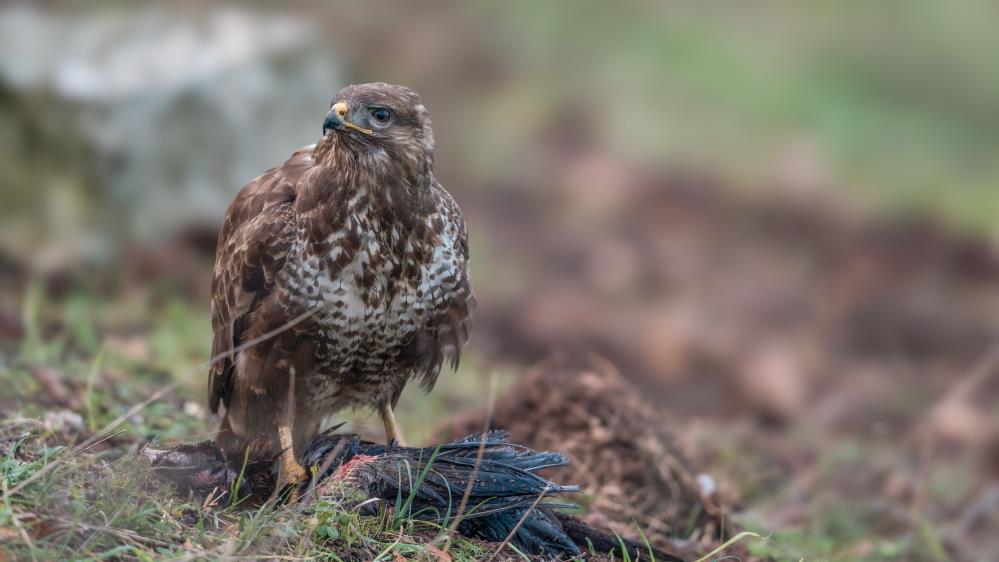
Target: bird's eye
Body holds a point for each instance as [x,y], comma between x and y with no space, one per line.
[381,114]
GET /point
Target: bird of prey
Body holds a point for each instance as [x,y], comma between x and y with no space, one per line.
[507,499]
[340,275]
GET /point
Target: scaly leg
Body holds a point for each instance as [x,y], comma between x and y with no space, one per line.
[290,471]
[393,435]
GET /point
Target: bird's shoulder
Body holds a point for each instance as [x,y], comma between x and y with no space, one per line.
[259,226]
[275,187]
[254,243]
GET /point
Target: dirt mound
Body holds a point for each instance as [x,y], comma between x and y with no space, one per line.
[620,450]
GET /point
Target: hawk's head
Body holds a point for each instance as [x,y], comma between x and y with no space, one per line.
[381,118]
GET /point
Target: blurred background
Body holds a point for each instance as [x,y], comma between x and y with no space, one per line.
[777,220]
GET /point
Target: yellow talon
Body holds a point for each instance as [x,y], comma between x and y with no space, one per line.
[290,471]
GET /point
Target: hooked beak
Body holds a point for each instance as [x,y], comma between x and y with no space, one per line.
[336,119]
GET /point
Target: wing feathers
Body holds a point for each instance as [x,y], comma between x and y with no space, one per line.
[252,248]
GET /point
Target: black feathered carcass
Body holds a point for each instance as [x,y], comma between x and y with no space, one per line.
[507,498]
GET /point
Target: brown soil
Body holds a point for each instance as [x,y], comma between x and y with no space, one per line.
[620,449]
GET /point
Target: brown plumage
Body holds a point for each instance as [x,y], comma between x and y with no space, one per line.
[347,266]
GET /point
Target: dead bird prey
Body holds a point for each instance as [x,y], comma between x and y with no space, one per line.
[343,273]
[433,480]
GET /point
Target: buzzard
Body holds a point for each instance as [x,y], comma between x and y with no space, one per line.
[340,275]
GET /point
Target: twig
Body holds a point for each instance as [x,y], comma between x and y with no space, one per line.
[96,443]
[229,353]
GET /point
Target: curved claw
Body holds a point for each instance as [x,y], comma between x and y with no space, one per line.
[291,474]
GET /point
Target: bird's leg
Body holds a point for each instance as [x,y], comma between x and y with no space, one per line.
[393,435]
[290,471]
